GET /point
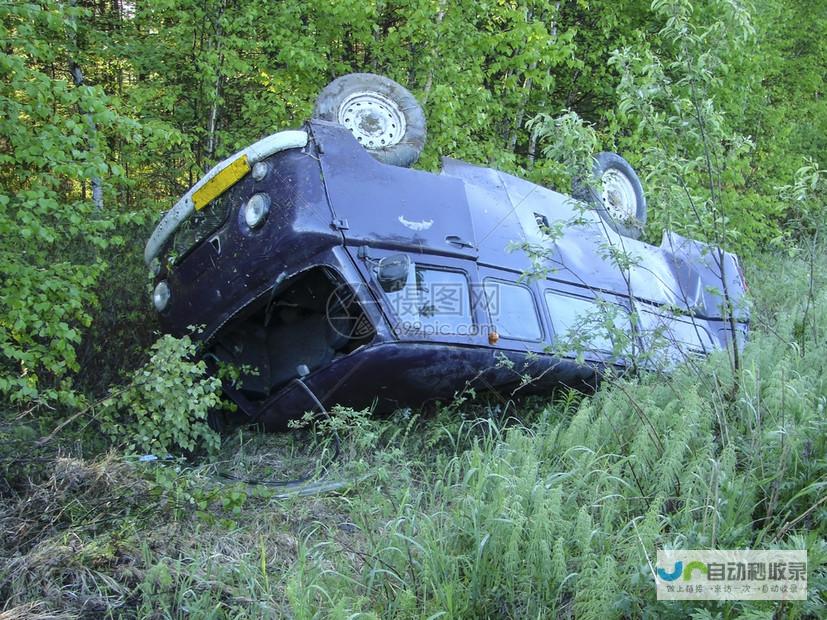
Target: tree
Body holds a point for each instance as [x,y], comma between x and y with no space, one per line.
[51,258]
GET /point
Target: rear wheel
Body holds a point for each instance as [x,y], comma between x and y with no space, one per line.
[381,114]
[616,194]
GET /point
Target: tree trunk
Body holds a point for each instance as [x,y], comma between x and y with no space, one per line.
[92,139]
[429,84]
[212,141]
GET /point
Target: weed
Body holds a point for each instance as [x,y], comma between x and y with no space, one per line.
[550,507]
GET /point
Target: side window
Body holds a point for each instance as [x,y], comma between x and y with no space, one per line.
[681,331]
[433,301]
[512,310]
[583,320]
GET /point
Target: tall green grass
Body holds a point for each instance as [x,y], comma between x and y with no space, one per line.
[562,516]
[548,508]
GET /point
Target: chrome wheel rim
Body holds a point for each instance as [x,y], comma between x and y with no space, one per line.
[374,120]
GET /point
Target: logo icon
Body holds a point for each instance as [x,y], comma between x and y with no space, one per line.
[684,574]
[346,314]
[680,570]
[674,574]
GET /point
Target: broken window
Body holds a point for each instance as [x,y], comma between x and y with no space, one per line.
[200,225]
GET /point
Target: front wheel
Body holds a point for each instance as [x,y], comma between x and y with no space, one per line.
[382,115]
[616,193]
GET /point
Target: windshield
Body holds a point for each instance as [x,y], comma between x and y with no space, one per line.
[200,225]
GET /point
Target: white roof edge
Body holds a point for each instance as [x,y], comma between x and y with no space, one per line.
[281,141]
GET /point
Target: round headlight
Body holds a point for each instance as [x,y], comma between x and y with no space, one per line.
[260,170]
[256,209]
[160,296]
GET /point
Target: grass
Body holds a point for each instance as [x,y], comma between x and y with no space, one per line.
[545,508]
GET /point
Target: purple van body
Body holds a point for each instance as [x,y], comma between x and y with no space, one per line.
[262,297]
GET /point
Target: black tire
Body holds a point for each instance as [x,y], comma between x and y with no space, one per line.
[391,125]
[632,222]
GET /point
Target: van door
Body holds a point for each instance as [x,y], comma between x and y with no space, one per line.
[384,206]
[436,301]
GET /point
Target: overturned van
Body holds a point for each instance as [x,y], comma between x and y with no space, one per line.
[321,265]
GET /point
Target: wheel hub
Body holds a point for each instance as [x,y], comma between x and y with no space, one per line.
[619,195]
[373,119]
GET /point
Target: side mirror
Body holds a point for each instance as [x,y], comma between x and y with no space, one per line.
[392,272]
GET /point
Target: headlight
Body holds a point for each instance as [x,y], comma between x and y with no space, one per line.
[256,209]
[260,170]
[160,296]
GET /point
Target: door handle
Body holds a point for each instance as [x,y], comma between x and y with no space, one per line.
[458,241]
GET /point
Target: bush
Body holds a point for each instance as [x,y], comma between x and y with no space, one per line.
[165,405]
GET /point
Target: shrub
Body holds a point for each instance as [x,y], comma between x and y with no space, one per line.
[165,405]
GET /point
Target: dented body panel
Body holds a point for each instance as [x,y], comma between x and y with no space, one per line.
[302,289]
